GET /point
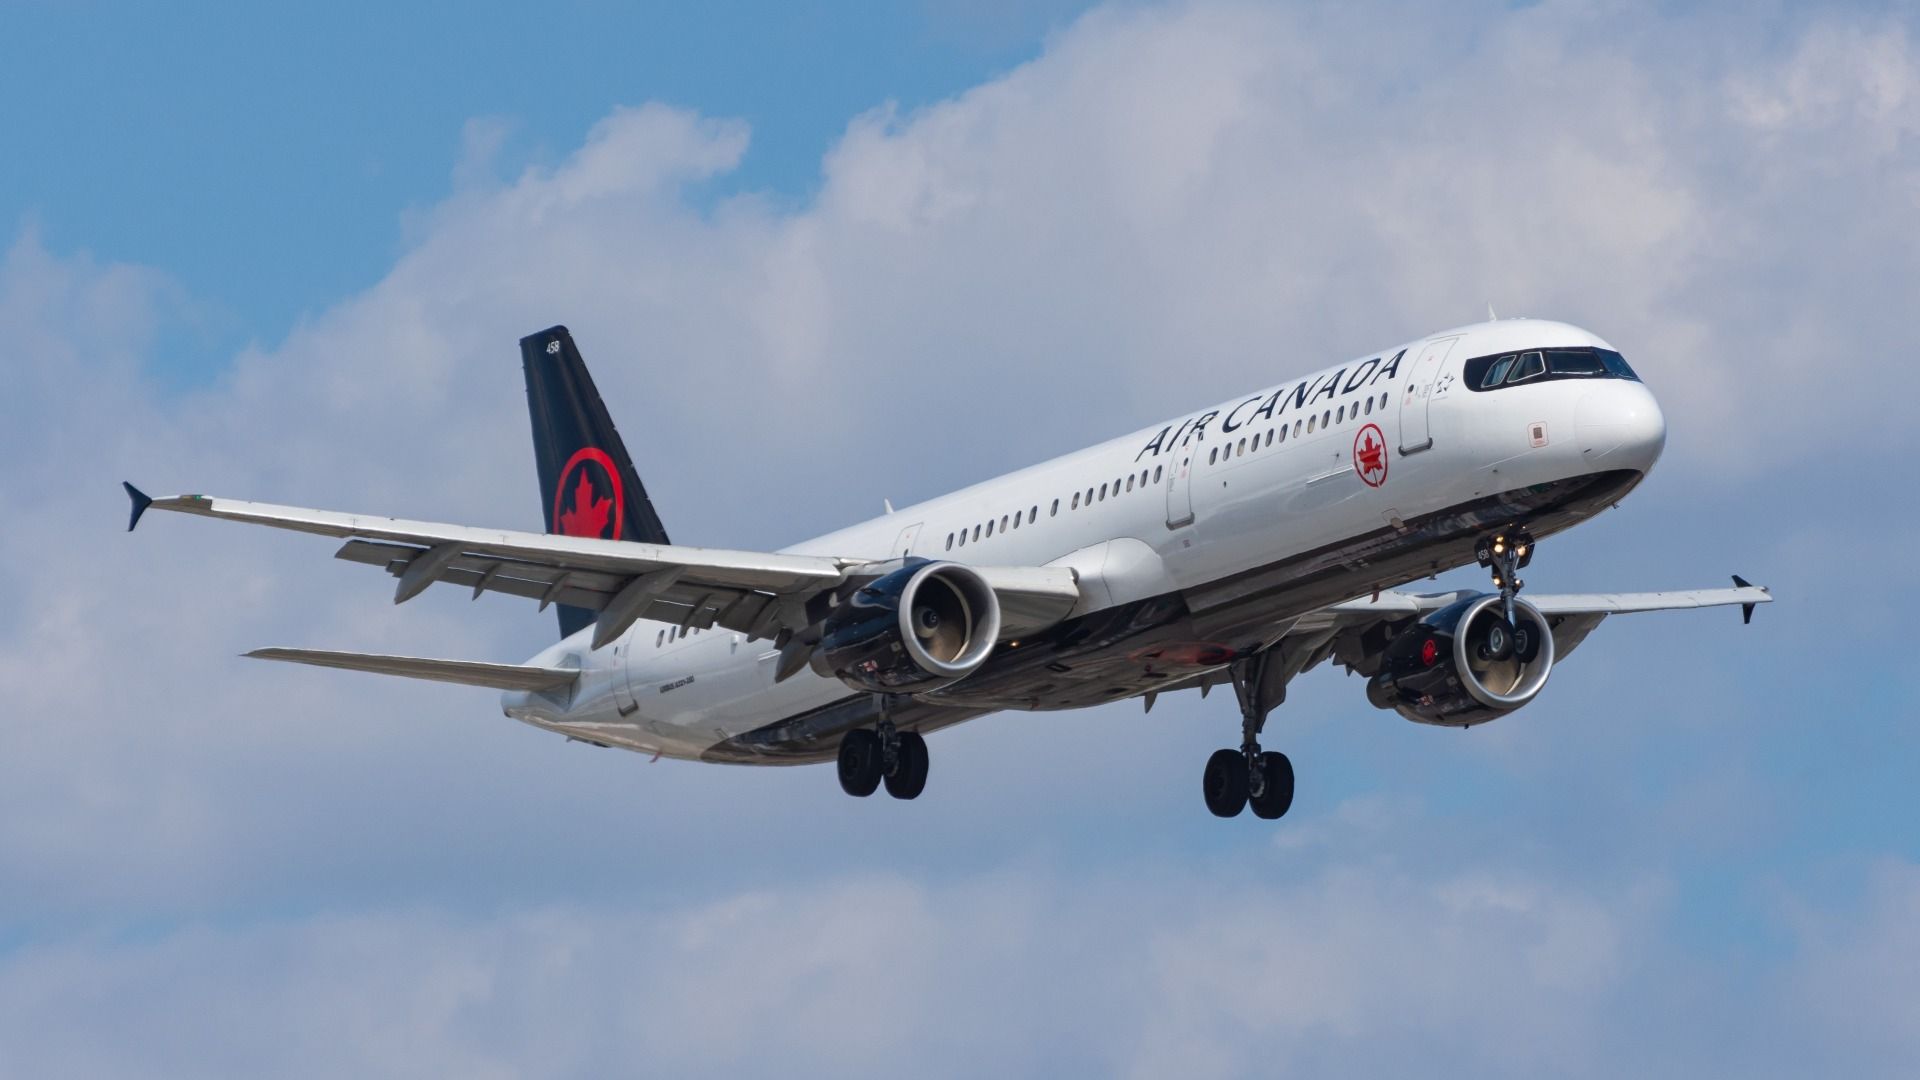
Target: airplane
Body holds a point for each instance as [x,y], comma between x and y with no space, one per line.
[1240,544]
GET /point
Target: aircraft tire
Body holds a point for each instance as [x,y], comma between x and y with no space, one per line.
[1274,800]
[909,777]
[860,763]
[1225,783]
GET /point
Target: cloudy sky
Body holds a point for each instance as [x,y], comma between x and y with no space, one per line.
[817,260]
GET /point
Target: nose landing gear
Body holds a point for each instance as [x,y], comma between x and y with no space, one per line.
[1505,554]
[1250,776]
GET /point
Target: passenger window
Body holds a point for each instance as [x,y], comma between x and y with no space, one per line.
[1156,474]
[989,527]
[1296,429]
[949,541]
[1213,455]
[1055,512]
[1530,366]
[1326,418]
[1242,451]
[1076,500]
[1310,421]
[1369,406]
[1089,496]
[659,639]
[1103,493]
[1283,433]
[1269,436]
[1129,481]
[1003,523]
[1341,416]
[1033,515]
[963,538]
[976,532]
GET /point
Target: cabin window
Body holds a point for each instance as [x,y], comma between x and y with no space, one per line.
[1089,496]
[1129,481]
[963,538]
[949,541]
[1156,474]
[1055,512]
[1310,421]
[659,639]
[1283,433]
[1213,455]
[989,528]
[1369,406]
[1076,500]
[1103,493]
[1003,523]
[976,533]
[1033,515]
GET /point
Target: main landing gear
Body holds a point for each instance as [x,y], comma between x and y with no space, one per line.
[1250,776]
[883,755]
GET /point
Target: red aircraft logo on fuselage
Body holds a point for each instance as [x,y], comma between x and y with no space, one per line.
[1370,455]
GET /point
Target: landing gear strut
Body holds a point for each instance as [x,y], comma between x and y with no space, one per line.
[883,754]
[1250,776]
[1506,553]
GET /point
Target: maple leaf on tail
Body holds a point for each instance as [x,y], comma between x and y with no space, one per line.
[589,514]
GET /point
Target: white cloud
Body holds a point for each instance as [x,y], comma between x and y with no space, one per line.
[1168,205]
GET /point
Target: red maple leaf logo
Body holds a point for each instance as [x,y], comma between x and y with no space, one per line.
[1370,456]
[589,514]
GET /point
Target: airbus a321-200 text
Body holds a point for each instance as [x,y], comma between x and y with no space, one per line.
[1242,544]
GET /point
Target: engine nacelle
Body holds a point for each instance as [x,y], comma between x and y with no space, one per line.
[916,629]
[1464,665]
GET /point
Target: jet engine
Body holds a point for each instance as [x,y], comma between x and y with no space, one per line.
[1465,664]
[916,629]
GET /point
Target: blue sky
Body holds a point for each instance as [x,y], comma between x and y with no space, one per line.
[287,257]
[264,156]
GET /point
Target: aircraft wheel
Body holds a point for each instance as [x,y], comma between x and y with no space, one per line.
[1225,783]
[909,776]
[1494,640]
[1277,793]
[860,763]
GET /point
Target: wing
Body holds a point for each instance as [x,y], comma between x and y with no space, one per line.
[1350,632]
[755,593]
[464,672]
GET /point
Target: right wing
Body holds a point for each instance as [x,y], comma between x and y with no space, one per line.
[755,593]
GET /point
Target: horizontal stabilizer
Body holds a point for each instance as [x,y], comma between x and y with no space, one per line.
[466,672]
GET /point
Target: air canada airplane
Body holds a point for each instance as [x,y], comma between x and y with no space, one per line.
[1240,544]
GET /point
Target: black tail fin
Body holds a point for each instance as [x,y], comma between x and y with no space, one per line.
[587,483]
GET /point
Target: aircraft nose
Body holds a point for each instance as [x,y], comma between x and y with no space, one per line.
[1621,426]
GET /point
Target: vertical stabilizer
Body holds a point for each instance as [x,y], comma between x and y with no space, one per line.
[587,483]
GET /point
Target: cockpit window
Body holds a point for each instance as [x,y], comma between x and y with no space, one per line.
[1545,365]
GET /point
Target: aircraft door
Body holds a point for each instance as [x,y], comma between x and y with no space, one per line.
[903,545]
[1180,489]
[1415,435]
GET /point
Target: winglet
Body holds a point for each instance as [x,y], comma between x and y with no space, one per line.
[141,500]
[1746,610]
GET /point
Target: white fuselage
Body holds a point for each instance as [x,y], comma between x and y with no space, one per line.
[1193,508]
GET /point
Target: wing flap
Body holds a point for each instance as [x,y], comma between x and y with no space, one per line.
[465,672]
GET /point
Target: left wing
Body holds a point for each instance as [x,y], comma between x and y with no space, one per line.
[755,593]
[1348,631]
